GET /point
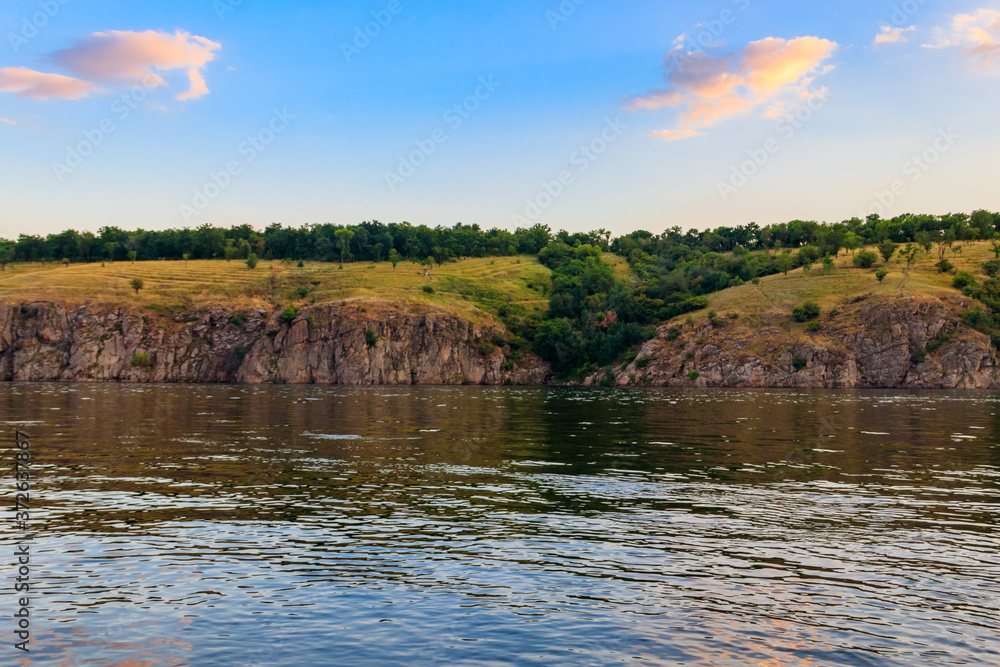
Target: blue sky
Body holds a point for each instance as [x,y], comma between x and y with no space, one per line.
[372,132]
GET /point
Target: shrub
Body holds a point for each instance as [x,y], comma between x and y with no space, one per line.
[240,351]
[303,292]
[301,264]
[944,266]
[498,340]
[881,274]
[428,289]
[141,360]
[694,375]
[799,363]
[977,319]
[674,333]
[642,362]
[252,261]
[813,326]
[755,281]
[137,284]
[865,259]
[962,280]
[992,268]
[237,320]
[938,342]
[806,312]
[690,356]
[371,340]
[290,314]
[829,265]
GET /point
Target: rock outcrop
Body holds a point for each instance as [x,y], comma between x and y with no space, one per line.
[337,343]
[889,342]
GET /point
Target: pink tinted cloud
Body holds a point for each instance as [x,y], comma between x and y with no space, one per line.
[707,89]
[130,57]
[890,35]
[30,84]
[978,35]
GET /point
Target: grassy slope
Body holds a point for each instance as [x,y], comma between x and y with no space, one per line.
[470,288]
[778,295]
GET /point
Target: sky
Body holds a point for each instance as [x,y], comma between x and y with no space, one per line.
[575,114]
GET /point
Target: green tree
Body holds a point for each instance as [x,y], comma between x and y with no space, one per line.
[394,257]
[784,262]
[865,259]
[881,274]
[110,248]
[851,242]
[6,255]
[137,284]
[132,254]
[252,261]
[344,236]
[186,256]
[887,249]
[911,253]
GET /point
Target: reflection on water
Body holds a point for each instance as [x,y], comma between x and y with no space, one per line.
[228,525]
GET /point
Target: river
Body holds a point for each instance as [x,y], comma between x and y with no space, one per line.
[305,525]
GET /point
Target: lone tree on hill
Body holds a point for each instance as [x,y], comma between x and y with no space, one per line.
[137,285]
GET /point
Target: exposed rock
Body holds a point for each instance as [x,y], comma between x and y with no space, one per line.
[878,342]
[327,343]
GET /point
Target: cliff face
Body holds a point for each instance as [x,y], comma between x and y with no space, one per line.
[889,342]
[331,343]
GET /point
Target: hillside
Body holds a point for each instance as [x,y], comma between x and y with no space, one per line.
[906,331]
[471,289]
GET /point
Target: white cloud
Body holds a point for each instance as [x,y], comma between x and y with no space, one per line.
[8,121]
[707,89]
[888,35]
[976,34]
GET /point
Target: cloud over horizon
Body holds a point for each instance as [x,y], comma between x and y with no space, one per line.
[977,34]
[117,57]
[708,88]
[30,84]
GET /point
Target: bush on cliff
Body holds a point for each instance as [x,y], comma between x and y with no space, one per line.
[806,312]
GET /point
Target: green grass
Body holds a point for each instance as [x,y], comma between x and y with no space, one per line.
[779,294]
[472,288]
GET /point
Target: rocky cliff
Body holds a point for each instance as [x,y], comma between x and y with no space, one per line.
[337,343]
[891,342]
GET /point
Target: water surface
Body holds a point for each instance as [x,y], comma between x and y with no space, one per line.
[229,525]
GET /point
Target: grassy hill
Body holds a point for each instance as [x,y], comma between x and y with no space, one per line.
[470,288]
[778,294]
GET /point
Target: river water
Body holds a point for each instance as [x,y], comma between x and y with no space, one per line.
[235,525]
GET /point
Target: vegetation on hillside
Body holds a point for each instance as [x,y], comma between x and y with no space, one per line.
[578,306]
